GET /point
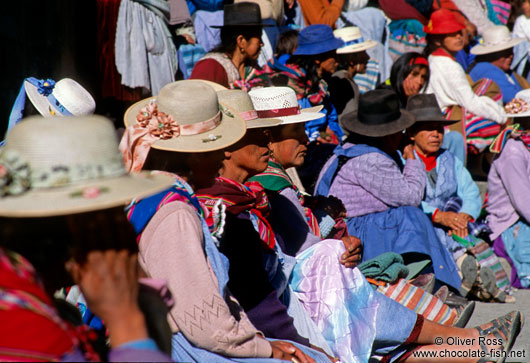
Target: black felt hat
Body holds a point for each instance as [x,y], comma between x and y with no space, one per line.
[241,14]
[378,115]
[426,109]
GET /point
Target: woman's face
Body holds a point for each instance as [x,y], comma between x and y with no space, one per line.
[205,168]
[453,42]
[359,61]
[427,137]
[525,8]
[327,63]
[249,156]
[504,59]
[290,148]
[252,47]
[415,80]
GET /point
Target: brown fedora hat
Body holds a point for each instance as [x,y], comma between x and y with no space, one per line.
[378,115]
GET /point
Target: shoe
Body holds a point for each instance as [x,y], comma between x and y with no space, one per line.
[425,282]
[464,314]
[506,328]
[454,300]
[489,283]
[442,293]
[469,269]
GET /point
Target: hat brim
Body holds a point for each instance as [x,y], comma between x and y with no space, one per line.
[351,123]
[359,47]
[263,122]
[480,49]
[231,129]
[318,48]
[39,101]
[114,192]
[306,114]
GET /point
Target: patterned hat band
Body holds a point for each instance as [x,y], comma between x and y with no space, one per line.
[354,41]
[45,88]
[249,115]
[16,175]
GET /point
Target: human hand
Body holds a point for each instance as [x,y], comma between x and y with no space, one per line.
[463,233]
[332,359]
[411,86]
[332,205]
[451,220]
[290,3]
[189,39]
[109,282]
[287,351]
[353,253]
[408,152]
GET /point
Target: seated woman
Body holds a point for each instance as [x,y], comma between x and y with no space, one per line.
[174,240]
[508,204]
[232,62]
[452,199]
[314,58]
[381,200]
[494,59]
[410,76]
[482,116]
[60,226]
[333,288]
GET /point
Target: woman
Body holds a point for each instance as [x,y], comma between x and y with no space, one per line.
[381,200]
[452,200]
[232,62]
[508,206]
[247,223]
[313,60]
[174,240]
[409,76]
[62,218]
[482,115]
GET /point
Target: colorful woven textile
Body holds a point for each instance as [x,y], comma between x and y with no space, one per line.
[406,35]
[275,179]
[369,80]
[487,258]
[512,131]
[240,198]
[498,11]
[419,301]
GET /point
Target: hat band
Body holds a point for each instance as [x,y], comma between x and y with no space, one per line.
[354,41]
[45,88]
[379,119]
[249,115]
[279,112]
[16,175]
[492,44]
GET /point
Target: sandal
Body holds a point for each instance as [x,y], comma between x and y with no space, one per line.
[464,314]
[469,269]
[505,328]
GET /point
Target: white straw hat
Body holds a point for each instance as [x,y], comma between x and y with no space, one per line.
[64,98]
[495,39]
[281,103]
[64,165]
[240,102]
[353,39]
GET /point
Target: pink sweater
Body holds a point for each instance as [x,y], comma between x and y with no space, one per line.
[172,248]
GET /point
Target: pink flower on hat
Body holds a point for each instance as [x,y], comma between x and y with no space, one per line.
[159,124]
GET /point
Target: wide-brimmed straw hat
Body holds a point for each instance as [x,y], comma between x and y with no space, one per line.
[443,21]
[353,40]
[64,98]
[495,39]
[240,102]
[184,117]
[426,109]
[378,115]
[281,103]
[241,14]
[317,39]
[63,165]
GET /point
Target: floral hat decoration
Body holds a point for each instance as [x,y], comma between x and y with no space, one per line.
[64,165]
[186,116]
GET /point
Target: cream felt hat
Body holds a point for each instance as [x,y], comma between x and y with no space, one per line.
[353,40]
[495,39]
[240,102]
[63,165]
[281,103]
[64,98]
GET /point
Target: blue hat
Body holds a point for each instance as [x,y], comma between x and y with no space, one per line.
[317,39]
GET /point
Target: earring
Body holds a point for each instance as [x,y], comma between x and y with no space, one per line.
[242,50]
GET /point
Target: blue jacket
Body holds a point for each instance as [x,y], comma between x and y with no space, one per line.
[503,80]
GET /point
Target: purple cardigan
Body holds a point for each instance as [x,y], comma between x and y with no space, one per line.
[509,187]
[372,183]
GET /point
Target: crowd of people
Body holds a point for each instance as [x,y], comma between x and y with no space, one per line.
[318,205]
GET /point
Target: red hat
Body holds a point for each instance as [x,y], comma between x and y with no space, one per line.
[443,21]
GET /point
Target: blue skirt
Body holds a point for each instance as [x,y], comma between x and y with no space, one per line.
[401,230]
